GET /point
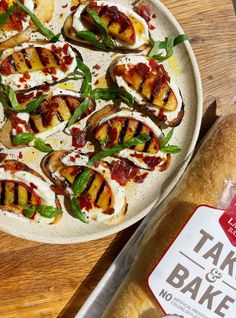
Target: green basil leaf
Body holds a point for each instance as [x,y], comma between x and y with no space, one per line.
[40,145]
[167,138]
[113,94]
[117,148]
[91,38]
[155,48]
[168,45]
[23,139]
[102,28]
[79,183]
[29,211]
[4,100]
[86,87]
[171,149]
[76,210]
[169,48]
[45,31]
[12,98]
[48,211]
[180,38]
[79,112]
[4,16]
[32,106]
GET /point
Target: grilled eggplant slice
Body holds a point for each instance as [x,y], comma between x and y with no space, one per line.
[102,199]
[52,115]
[127,29]
[150,85]
[119,127]
[33,64]
[21,186]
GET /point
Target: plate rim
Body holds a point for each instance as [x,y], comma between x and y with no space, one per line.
[134,219]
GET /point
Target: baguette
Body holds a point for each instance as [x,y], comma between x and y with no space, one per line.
[203,183]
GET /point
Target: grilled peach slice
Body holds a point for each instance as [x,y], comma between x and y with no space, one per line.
[126,28]
[121,126]
[150,85]
[21,186]
[33,64]
[102,199]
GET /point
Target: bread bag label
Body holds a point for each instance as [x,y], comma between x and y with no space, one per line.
[196,277]
[228,222]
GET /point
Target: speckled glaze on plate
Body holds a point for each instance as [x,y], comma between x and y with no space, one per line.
[141,197]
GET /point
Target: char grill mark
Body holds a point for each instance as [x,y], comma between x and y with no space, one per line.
[26,58]
[56,59]
[59,116]
[122,134]
[138,129]
[100,191]
[29,197]
[167,95]
[68,105]
[11,62]
[3,193]
[156,88]
[89,183]
[148,143]
[141,85]
[15,193]
[33,126]
[44,61]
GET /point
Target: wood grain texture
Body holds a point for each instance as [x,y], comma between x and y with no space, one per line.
[43,281]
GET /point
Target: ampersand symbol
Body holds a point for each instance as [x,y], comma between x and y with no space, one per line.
[213,275]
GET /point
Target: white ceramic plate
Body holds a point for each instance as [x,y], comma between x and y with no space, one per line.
[141,197]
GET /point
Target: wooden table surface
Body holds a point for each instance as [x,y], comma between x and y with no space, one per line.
[43,281]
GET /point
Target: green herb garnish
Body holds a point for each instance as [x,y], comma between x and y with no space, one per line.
[29,211]
[40,145]
[86,90]
[86,87]
[82,179]
[33,105]
[79,183]
[5,16]
[80,110]
[168,45]
[75,206]
[8,96]
[113,94]
[118,148]
[48,211]
[23,139]
[172,149]
[165,147]
[91,38]
[26,138]
[45,31]
[102,28]
[44,210]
